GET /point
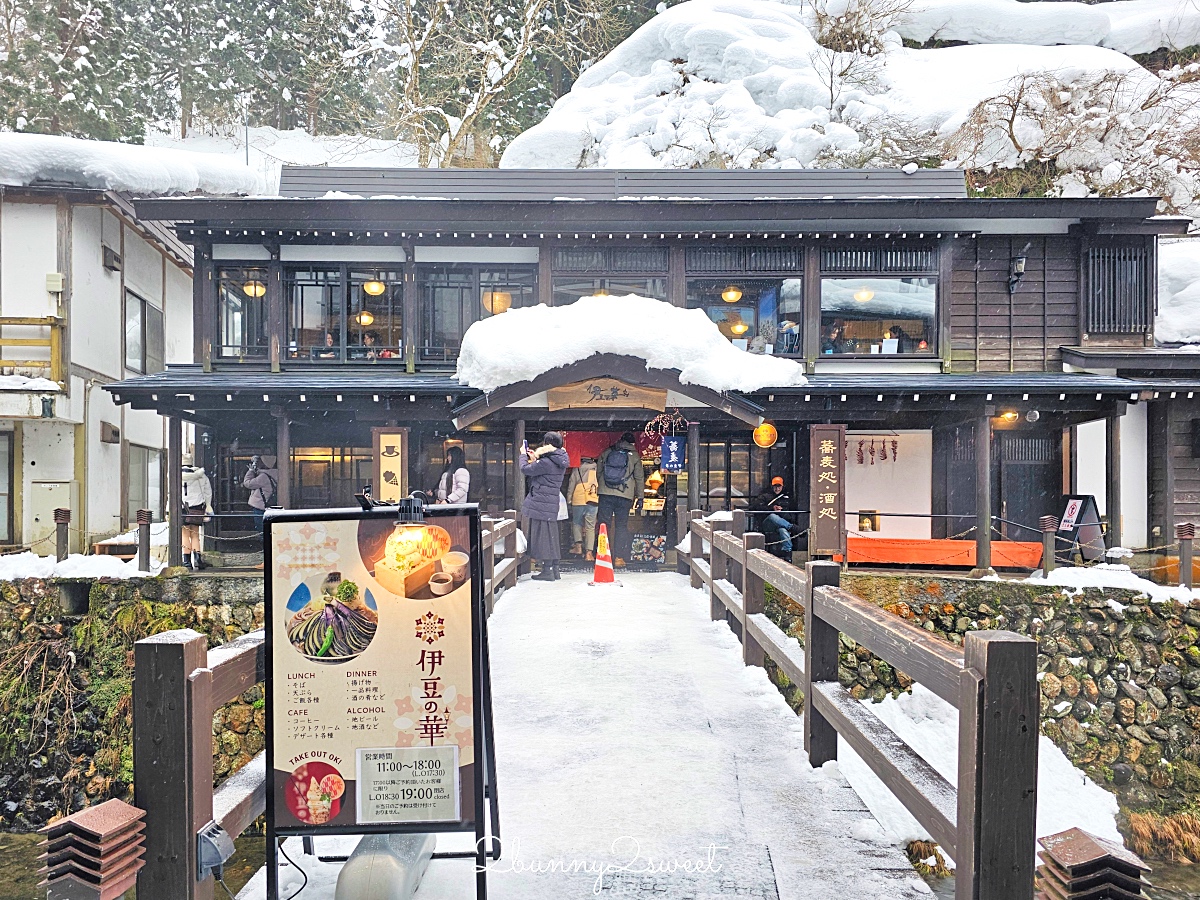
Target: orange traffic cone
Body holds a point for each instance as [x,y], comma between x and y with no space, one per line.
[603,573]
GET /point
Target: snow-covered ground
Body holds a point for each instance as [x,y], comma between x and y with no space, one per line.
[625,718]
[523,343]
[31,565]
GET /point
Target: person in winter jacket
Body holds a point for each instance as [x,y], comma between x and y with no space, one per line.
[543,469]
[197,507]
[455,482]
[583,497]
[262,480]
[621,479]
[775,501]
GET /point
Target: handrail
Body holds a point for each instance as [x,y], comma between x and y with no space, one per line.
[53,342]
[991,680]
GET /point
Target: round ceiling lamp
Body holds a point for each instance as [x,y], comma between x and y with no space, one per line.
[765,435]
[366,317]
[863,294]
[254,288]
[496,302]
[731,294]
[739,327]
[374,287]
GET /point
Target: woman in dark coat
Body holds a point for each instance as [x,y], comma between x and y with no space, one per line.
[544,469]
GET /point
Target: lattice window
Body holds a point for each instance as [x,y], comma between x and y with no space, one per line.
[849,259]
[878,259]
[1028,449]
[1118,297]
[907,259]
[581,259]
[774,259]
[639,259]
[715,259]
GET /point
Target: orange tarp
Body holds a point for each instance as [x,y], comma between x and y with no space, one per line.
[904,551]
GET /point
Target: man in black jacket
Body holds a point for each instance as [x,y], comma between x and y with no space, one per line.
[775,501]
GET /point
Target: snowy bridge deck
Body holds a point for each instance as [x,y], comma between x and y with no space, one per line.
[630,737]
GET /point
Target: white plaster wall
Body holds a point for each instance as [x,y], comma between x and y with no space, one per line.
[96,312]
[1091,462]
[103,475]
[143,266]
[177,316]
[891,486]
[1092,465]
[28,253]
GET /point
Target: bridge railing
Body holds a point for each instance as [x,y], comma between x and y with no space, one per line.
[988,823]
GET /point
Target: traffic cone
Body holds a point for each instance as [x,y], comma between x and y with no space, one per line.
[603,573]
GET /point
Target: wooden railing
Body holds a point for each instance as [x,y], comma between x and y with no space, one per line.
[53,342]
[988,823]
[178,685]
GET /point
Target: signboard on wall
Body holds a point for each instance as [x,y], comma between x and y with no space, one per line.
[378,706]
[827,490]
[390,458]
[605,393]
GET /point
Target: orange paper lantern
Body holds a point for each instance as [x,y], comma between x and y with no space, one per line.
[765,435]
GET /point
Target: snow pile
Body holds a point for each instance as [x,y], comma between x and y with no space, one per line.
[24,383]
[524,343]
[1066,797]
[159,535]
[272,148]
[1131,26]
[1178,291]
[1110,576]
[27,159]
[30,565]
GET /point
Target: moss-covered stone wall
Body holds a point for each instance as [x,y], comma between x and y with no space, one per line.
[1119,675]
[66,681]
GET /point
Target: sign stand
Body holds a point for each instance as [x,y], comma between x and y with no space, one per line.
[827,491]
[1079,530]
[375,634]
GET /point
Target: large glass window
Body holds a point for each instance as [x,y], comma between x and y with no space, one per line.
[144,339]
[144,477]
[762,315]
[733,473]
[374,324]
[241,313]
[455,297]
[878,315]
[568,290]
[343,313]
[315,313]
[324,477]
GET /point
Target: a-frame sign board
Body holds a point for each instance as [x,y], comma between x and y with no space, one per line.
[1079,530]
[379,713]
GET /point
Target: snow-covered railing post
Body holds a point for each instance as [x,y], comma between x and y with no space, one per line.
[718,565]
[733,570]
[1049,526]
[753,598]
[62,533]
[144,518]
[1185,532]
[821,663]
[697,545]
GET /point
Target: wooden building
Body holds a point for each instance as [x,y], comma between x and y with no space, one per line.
[963,341]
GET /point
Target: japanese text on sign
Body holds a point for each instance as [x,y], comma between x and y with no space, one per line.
[827,489]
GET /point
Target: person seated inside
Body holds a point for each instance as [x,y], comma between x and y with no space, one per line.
[329,350]
[833,339]
[778,530]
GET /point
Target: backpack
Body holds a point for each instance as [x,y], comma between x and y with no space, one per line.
[615,464]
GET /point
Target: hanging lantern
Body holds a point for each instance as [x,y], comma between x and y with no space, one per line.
[496,302]
[731,294]
[739,327]
[254,288]
[863,294]
[374,287]
[364,318]
[765,435]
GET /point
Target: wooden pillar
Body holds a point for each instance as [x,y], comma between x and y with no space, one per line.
[693,465]
[718,567]
[410,302]
[518,479]
[676,276]
[174,491]
[753,598]
[204,305]
[283,456]
[276,318]
[983,497]
[697,548]
[821,664]
[1112,504]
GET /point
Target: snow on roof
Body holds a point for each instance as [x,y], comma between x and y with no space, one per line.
[1130,26]
[28,159]
[748,91]
[524,343]
[1178,291]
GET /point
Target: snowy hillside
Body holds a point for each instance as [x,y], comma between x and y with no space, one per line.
[744,83]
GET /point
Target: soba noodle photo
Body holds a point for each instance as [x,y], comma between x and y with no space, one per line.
[335,626]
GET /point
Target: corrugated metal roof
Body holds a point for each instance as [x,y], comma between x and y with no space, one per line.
[619,184]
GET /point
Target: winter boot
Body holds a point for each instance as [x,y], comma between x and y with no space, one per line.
[554,570]
[546,573]
[197,563]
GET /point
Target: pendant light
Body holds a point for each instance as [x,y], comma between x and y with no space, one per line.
[739,327]
[364,318]
[374,287]
[731,294]
[863,294]
[254,287]
[496,302]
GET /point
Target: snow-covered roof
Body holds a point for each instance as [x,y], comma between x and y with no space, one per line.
[33,159]
[522,344]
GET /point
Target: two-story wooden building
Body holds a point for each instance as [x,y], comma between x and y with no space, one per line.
[954,336]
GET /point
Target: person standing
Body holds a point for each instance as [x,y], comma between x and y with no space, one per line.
[455,482]
[620,490]
[543,469]
[262,480]
[583,496]
[775,501]
[197,507]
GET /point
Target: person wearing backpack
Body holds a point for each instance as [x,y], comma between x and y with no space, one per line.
[583,496]
[262,480]
[620,490]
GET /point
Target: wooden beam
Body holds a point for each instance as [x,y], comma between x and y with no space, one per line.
[784,651]
[983,497]
[693,465]
[237,666]
[1112,472]
[242,797]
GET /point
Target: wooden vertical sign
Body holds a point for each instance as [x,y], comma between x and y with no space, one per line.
[827,490]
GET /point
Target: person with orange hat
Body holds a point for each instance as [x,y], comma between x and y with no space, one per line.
[775,501]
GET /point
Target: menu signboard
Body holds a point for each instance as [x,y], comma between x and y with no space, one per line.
[377,704]
[827,490]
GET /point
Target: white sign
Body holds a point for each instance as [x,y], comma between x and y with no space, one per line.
[407,784]
[1072,513]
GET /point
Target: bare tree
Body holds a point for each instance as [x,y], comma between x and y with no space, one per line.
[850,41]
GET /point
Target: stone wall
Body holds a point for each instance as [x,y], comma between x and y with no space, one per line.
[66,675]
[1119,676]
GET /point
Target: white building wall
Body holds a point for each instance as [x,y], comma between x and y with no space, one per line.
[1091,460]
[895,486]
[28,253]
[96,312]
[177,316]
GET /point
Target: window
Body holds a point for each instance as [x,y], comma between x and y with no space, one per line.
[324,477]
[762,315]
[341,313]
[455,297]
[6,480]
[144,337]
[1118,290]
[241,313]
[568,290]
[878,315]
[733,473]
[144,477]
